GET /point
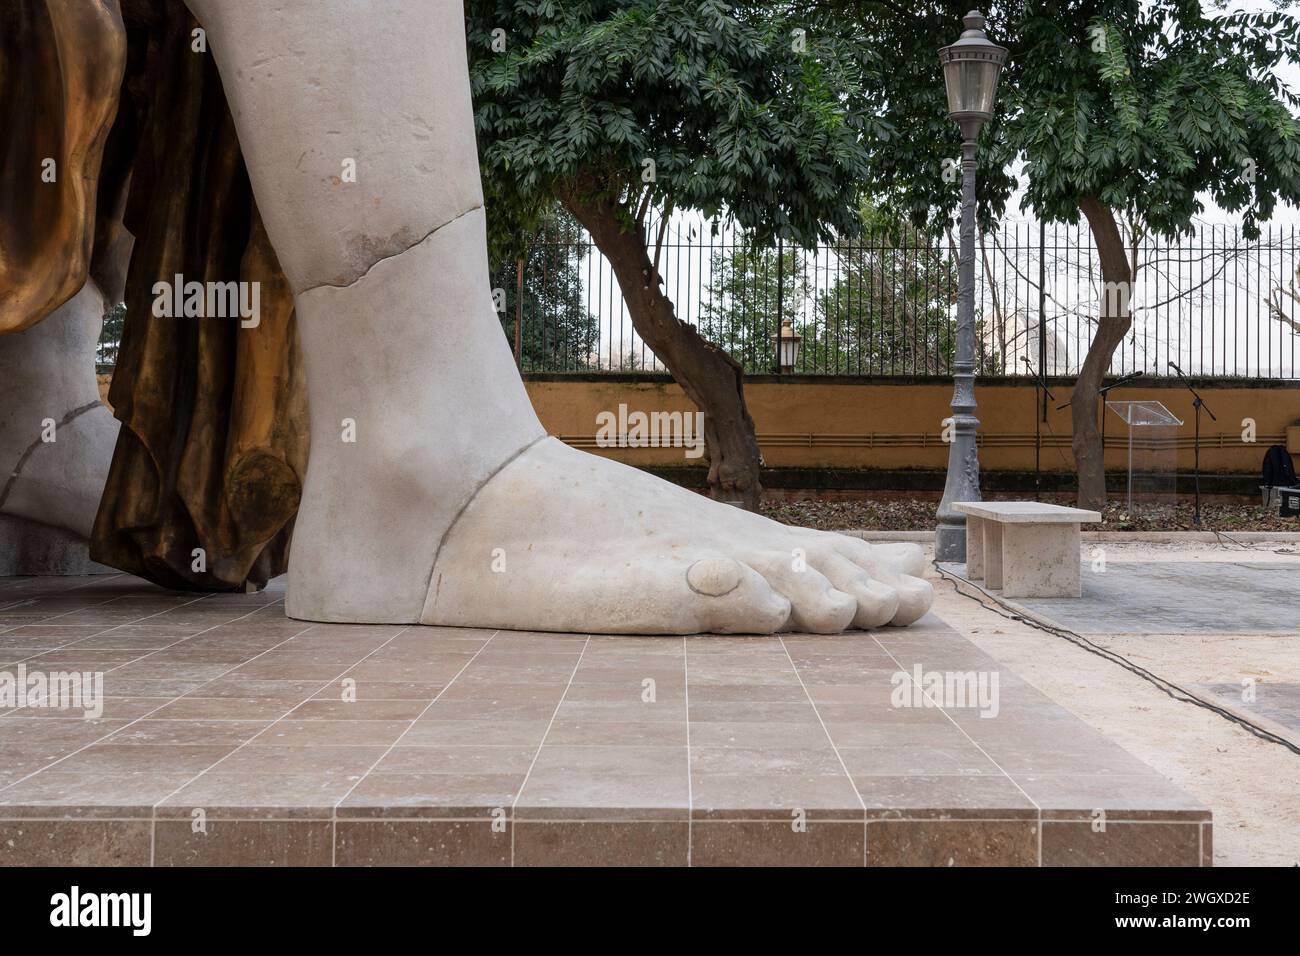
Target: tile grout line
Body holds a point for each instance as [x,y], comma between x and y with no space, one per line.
[85,607]
[549,724]
[22,660]
[334,811]
[289,817]
[18,580]
[852,783]
[144,716]
[277,720]
[89,637]
[149,652]
[109,630]
[690,783]
[1015,783]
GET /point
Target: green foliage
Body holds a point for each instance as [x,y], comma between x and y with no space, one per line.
[557,331]
[889,308]
[1142,104]
[110,336]
[735,119]
[740,312]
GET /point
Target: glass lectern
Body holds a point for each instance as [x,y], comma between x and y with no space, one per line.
[1152,453]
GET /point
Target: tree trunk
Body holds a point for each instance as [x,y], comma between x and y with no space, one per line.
[1112,325]
[711,378]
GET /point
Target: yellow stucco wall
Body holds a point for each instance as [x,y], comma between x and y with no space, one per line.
[880,425]
[876,425]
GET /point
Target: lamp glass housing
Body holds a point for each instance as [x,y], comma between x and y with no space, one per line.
[787,343]
[971,68]
[790,351]
[972,86]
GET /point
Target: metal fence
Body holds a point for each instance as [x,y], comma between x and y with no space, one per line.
[1214,302]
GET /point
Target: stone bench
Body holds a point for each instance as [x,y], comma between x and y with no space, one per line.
[1024,548]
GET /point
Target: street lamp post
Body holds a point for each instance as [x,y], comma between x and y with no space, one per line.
[970,72]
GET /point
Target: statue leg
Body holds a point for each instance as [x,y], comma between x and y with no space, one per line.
[56,437]
[433,494]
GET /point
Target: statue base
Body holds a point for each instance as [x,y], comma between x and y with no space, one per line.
[29,548]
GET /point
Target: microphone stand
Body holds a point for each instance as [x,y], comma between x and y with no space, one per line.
[1101,393]
[1039,382]
[1197,403]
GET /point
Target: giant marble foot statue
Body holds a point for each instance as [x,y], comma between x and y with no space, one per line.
[56,437]
[433,494]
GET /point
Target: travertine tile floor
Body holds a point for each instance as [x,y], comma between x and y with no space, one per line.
[232,734]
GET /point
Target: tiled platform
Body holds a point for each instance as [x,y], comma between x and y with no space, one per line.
[228,737]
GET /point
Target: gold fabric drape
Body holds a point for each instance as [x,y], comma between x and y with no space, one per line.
[207,473]
[61,65]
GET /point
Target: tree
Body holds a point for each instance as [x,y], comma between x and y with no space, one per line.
[740,310]
[888,311]
[1121,110]
[1284,302]
[557,331]
[618,107]
[891,307]
[110,336]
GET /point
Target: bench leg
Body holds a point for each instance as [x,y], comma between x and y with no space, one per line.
[1040,560]
[974,548]
[992,535]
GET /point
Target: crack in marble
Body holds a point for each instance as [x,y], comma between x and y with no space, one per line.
[30,450]
[370,268]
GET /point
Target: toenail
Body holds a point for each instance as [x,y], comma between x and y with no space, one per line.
[713,576]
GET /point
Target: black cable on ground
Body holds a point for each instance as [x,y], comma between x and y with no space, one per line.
[1168,687]
[1224,540]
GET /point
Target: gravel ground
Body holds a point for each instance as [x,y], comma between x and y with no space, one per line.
[913,514]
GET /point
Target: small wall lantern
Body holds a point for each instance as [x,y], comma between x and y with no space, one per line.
[786,344]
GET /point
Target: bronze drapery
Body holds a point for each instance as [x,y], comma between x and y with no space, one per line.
[208,469]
